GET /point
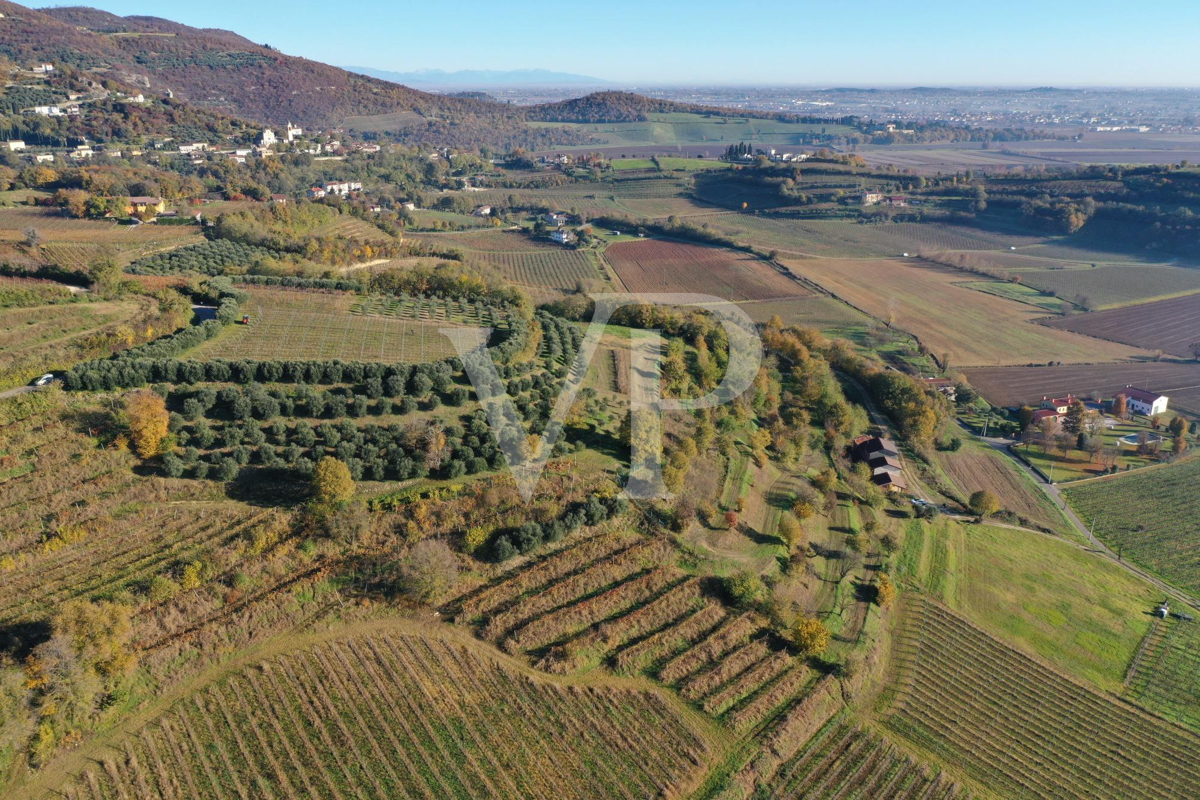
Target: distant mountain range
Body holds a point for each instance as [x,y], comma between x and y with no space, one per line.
[438,78]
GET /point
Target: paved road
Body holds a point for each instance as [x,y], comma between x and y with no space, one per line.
[1055,494]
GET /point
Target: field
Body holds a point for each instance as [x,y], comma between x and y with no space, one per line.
[686,128]
[1019,292]
[665,266]
[1171,326]
[1150,516]
[976,467]
[614,600]
[974,328]
[1108,286]
[397,714]
[525,261]
[1012,386]
[1021,729]
[37,339]
[844,757]
[1165,677]
[835,238]
[53,227]
[315,325]
[825,313]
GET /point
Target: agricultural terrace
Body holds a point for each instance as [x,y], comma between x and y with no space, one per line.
[55,227]
[1164,677]
[209,257]
[1150,516]
[1172,326]
[348,227]
[397,714]
[1018,727]
[37,339]
[1013,386]
[973,328]
[846,757]
[667,266]
[526,261]
[1110,286]
[616,600]
[317,325]
[1083,614]
[975,467]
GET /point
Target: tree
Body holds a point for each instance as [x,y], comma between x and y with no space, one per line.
[745,589]
[790,531]
[1073,422]
[148,422]
[984,503]
[885,590]
[810,636]
[331,482]
[1120,407]
[430,570]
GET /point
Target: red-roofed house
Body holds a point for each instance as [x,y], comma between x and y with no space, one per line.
[1139,401]
[1059,404]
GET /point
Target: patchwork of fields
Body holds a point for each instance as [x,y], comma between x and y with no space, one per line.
[976,467]
[1115,285]
[53,226]
[288,324]
[666,266]
[1021,729]
[393,714]
[974,328]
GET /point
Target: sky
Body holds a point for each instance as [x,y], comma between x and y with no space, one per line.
[635,42]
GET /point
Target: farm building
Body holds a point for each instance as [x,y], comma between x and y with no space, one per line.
[143,205]
[944,386]
[563,236]
[556,218]
[1140,401]
[881,455]
[1052,414]
[871,198]
[1059,405]
[897,201]
[482,211]
[15,144]
[43,158]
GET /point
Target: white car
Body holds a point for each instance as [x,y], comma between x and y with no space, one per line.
[44,380]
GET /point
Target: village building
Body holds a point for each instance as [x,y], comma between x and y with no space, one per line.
[267,138]
[563,236]
[871,198]
[293,132]
[316,193]
[43,69]
[145,205]
[482,211]
[883,458]
[47,111]
[1060,405]
[15,145]
[281,199]
[1140,401]
[556,218]
[43,158]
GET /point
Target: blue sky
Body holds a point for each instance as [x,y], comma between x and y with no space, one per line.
[865,42]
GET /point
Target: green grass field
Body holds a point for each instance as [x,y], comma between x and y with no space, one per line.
[1150,516]
[1020,293]
[1168,672]
[1111,286]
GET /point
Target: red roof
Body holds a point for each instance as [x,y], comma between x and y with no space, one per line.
[1043,413]
[1141,395]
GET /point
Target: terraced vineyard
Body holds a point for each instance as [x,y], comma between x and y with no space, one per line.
[316,325]
[848,758]
[552,268]
[1022,729]
[611,600]
[1162,534]
[455,312]
[393,714]
[1165,678]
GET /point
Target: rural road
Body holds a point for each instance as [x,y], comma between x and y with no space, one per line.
[18,391]
[1055,494]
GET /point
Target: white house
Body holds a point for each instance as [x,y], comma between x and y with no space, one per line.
[43,158]
[871,198]
[556,218]
[15,144]
[1139,401]
[43,69]
[563,236]
[82,152]
[342,187]
[482,211]
[316,193]
[47,111]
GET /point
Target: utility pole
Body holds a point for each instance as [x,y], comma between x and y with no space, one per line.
[987,422]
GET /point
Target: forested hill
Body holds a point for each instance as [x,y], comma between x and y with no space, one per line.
[613,106]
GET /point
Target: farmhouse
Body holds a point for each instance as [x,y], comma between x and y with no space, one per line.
[556,218]
[1059,405]
[871,198]
[563,236]
[883,459]
[47,111]
[1052,414]
[482,211]
[15,144]
[342,187]
[897,201]
[43,69]
[43,158]
[1140,401]
[316,193]
[944,386]
[145,205]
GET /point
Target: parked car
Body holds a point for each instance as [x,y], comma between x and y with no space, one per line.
[44,380]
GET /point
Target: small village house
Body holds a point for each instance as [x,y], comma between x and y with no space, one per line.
[145,205]
[15,145]
[556,218]
[871,198]
[482,211]
[563,236]
[883,458]
[1140,401]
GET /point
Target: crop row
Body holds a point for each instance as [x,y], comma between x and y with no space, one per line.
[413,308]
[731,634]
[1023,729]
[1167,678]
[397,715]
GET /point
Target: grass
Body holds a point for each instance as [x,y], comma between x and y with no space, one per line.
[1150,517]
[1111,286]
[1018,728]
[1169,671]
[1077,464]
[311,325]
[973,328]
[976,466]
[1019,292]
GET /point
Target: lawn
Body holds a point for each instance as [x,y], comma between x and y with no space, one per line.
[1076,464]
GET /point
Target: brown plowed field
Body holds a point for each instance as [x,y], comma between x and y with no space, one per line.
[1008,386]
[1168,325]
[662,266]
